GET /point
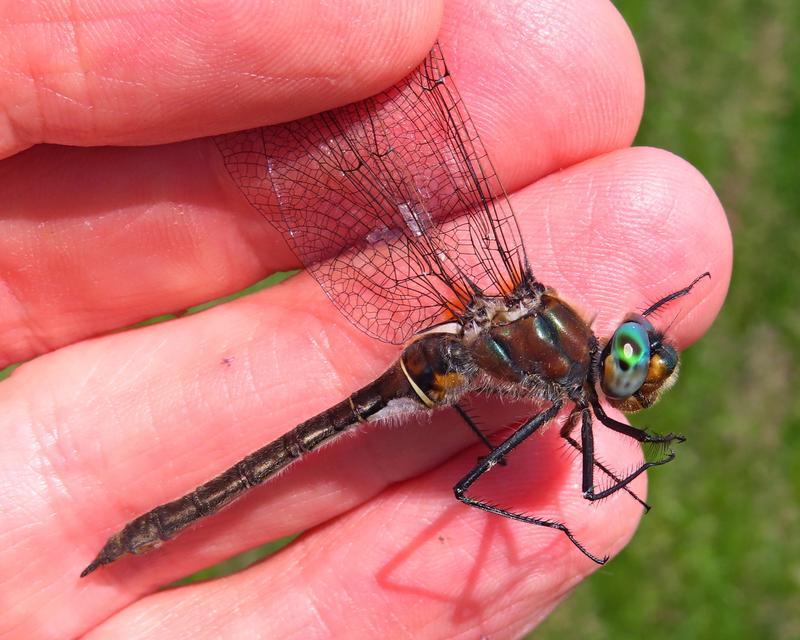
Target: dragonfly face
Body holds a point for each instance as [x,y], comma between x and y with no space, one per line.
[394,208]
[638,364]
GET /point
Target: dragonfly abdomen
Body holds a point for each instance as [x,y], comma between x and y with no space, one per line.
[167,520]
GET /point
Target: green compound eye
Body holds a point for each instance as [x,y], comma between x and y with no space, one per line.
[630,345]
[625,366]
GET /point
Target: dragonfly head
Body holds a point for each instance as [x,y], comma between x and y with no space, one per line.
[637,365]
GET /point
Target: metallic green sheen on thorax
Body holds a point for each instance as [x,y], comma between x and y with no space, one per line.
[553,342]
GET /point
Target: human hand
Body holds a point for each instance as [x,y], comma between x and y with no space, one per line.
[98,431]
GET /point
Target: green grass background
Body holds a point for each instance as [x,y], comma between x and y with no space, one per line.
[719,555]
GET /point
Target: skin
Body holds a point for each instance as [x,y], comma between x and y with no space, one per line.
[99,429]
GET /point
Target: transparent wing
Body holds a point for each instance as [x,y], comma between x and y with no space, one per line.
[391,203]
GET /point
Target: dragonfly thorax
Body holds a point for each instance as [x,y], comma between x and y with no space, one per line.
[547,350]
[485,312]
[549,347]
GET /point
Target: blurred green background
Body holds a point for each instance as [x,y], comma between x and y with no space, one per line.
[719,554]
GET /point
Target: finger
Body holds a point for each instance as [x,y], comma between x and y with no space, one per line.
[122,245]
[157,411]
[171,71]
[148,231]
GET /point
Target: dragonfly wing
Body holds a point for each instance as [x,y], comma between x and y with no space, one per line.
[391,203]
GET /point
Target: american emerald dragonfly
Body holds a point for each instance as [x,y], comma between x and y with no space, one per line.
[394,207]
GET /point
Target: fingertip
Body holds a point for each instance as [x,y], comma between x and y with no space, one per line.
[549,84]
[689,236]
[620,231]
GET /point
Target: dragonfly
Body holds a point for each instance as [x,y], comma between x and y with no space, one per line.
[393,206]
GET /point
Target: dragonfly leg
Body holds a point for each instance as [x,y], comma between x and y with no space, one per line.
[587,441]
[473,426]
[470,422]
[632,432]
[566,434]
[502,450]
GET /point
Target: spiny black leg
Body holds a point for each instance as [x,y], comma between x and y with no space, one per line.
[591,495]
[508,445]
[566,432]
[499,453]
[587,436]
[476,430]
[576,445]
[474,427]
[587,459]
[633,432]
